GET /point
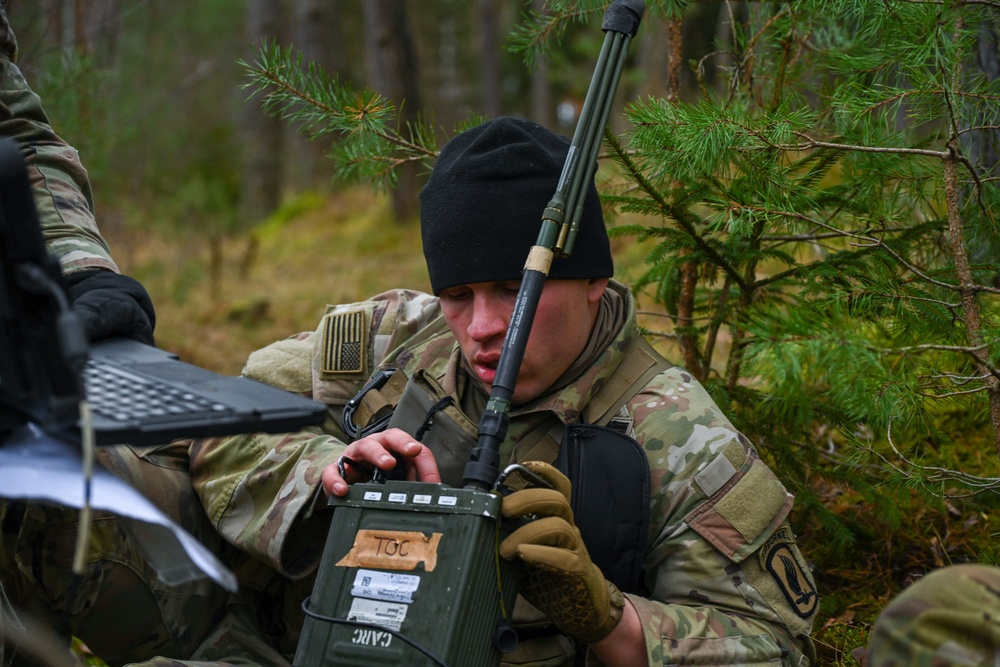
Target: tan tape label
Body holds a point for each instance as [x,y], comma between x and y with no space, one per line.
[393,550]
[539,259]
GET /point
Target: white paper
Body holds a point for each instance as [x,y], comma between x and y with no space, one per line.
[385,614]
[387,586]
[35,466]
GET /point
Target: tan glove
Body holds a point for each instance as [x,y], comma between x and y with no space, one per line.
[559,579]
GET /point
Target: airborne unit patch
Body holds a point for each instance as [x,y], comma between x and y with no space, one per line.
[778,558]
[344,342]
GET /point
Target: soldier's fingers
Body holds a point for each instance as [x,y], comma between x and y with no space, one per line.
[420,462]
[355,465]
[380,450]
[552,475]
[544,502]
[546,536]
[423,463]
[376,450]
[333,482]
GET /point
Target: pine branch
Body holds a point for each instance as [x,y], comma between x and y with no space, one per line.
[952,394]
[809,143]
[672,211]
[538,32]
[867,241]
[365,148]
[939,3]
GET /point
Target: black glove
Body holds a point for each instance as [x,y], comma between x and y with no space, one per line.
[110,304]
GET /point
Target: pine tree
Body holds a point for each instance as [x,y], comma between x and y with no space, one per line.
[811,211]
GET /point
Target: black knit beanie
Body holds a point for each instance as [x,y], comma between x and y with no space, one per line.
[481,209]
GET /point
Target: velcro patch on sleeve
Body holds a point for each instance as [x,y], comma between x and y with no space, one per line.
[743,512]
[345,342]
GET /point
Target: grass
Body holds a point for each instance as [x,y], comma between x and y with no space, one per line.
[275,283]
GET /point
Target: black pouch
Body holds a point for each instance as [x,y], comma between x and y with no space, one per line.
[610,500]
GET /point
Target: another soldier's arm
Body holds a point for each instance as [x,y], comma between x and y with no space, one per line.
[727,581]
[107,303]
[62,187]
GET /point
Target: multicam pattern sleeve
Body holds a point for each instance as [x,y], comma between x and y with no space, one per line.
[259,490]
[58,178]
[728,584]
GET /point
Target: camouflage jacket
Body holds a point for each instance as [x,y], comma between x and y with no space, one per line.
[728,584]
[58,178]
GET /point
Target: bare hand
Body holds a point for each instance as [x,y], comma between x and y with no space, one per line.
[376,451]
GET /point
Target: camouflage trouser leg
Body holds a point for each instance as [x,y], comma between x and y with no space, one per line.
[238,641]
[949,617]
[119,608]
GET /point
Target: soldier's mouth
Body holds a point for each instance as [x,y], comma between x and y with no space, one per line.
[486,370]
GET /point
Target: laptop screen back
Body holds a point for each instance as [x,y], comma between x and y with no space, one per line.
[36,382]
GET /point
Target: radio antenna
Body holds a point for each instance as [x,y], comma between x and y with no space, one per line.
[560,223]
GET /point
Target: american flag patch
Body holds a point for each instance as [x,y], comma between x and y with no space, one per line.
[344,343]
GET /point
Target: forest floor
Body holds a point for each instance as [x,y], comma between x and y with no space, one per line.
[342,248]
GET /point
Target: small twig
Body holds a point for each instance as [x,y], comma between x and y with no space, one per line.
[950,394]
[937,474]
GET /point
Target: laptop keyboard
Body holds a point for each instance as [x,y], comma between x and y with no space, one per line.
[117,394]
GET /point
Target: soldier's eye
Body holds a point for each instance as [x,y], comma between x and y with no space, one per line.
[455,294]
[510,288]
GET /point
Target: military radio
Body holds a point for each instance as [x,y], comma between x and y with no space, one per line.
[410,573]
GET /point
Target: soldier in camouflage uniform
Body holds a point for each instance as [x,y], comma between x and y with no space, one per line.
[949,618]
[723,581]
[120,608]
[107,302]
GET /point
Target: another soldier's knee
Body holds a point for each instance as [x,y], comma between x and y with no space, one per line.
[123,622]
[951,616]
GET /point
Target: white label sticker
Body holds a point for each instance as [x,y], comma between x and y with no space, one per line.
[397,497]
[386,586]
[421,499]
[385,614]
[450,501]
[373,495]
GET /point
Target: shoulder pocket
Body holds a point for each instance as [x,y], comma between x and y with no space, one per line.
[744,506]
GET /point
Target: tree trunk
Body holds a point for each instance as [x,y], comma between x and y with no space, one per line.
[654,47]
[392,70]
[542,111]
[490,89]
[262,136]
[450,98]
[317,30]
[967,288]
[982,146]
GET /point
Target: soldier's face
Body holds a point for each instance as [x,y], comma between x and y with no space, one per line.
[478,315]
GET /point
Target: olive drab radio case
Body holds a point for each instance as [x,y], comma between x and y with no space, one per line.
[410,576]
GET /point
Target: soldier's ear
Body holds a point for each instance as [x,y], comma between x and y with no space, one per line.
[595,289]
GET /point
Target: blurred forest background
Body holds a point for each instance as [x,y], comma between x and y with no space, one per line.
[190,176]
[803,194]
